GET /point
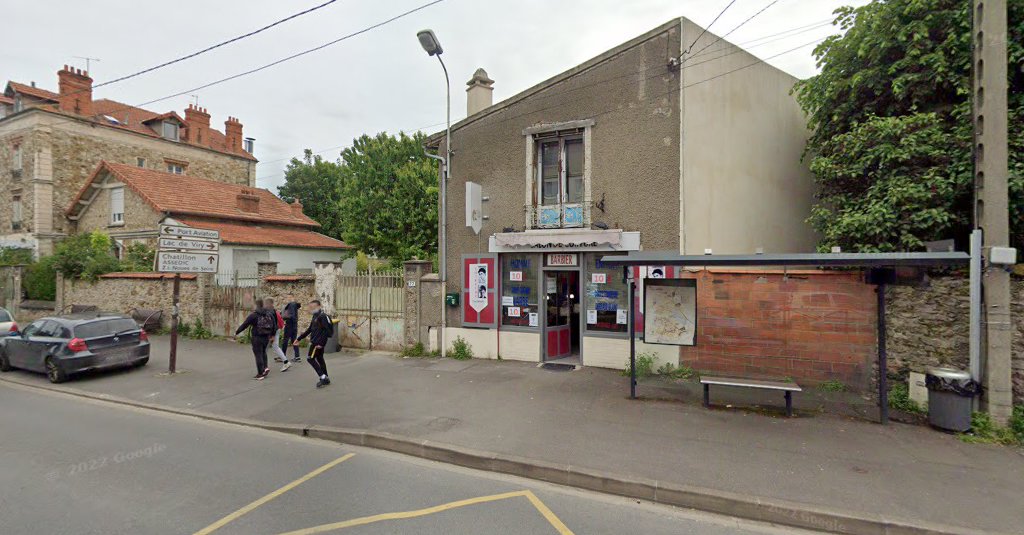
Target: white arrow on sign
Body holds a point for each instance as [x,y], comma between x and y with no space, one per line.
[182,262]
[174,244]
[174,231]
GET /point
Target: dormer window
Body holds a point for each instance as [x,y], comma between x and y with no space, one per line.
[170,130]
[18,104]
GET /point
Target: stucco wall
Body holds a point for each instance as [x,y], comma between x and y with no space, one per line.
[632,98]
[744,185]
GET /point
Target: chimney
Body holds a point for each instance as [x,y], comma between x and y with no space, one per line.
[233,133]
[297,207]
[198,125]
[75,88]
[479,93]
[248,201]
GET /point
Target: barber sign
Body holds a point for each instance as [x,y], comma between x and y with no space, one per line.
[562,259]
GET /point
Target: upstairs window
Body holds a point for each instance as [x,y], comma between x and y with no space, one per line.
[170,130]
[16,212]
[16,164]
[561,187]
[117,206]
[18,104]
[176,167]
[141,162]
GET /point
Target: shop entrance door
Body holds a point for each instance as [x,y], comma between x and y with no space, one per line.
[562,328]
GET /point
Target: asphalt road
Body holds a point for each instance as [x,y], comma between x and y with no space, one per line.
[71,466]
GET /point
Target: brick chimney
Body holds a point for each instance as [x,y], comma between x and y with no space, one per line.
[233,133]
[198,127]
[75,88]
[297,207]
[479,94]
[248,201]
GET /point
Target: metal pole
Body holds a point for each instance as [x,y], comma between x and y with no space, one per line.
[883,365]
[992,208]
[975,307]
[632,336]
[369,308]
[172,362]
[443,222]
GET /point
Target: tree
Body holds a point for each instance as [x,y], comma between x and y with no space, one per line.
[85,256]
[891,119]
[316,183]
[137,257]
[389,197]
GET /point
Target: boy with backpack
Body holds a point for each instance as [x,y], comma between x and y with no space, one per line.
[268,304]
[262,324]
[319,332]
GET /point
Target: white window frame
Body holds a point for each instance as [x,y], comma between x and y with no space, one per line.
[174,134]
[175,168]
[116,212]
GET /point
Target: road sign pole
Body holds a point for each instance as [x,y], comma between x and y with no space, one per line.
[172,362]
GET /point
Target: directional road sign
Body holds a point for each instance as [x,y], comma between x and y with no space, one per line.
[186,262]
[174,231]
[176,244]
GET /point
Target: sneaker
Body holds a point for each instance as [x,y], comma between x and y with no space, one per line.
[261,377]
[266,372]
[286,366]
[320,384]
[297,359]
[258,376]
[278,359]
[327,381]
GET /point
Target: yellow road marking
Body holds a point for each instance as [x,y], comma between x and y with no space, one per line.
[543,509]
[234,516]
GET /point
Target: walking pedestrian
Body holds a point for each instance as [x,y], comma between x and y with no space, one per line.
[280,356]
[261,324]
[319,331]
[290,313]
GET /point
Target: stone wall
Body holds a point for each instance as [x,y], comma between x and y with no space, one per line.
[120,292]
[929,325]
[278,287]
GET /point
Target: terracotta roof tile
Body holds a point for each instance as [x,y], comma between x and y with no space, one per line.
[195,196]
[289,278]
[270,235]
[140,275]
[33,91]
[6,100]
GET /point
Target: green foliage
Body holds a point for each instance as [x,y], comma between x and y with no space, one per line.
[899,399]
[985,431]
[245,338]
[40,279]
[15,256]
[86,256]
[670,370]
[460,349]
[417,351]
[890,113]
[137,257]
[197,331]
[833,385]
[184,329]
[380,197]
[644,366]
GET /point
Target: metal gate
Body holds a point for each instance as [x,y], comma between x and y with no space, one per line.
[370,309]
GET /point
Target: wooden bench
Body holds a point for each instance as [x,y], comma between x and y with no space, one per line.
[786,386]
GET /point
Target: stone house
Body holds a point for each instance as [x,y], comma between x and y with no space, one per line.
[129,203]
[644,147]
[50,143]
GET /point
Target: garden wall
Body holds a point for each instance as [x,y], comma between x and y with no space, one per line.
[121,292]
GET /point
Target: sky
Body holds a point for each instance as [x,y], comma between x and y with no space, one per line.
[380,80]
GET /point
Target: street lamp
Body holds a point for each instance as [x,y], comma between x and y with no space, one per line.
[432,47]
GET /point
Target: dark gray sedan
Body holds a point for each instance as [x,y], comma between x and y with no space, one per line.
[63,345]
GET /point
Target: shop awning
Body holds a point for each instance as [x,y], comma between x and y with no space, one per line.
[655,258]
[570,239]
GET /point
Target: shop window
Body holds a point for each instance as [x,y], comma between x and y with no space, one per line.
[520,300]
[607,297]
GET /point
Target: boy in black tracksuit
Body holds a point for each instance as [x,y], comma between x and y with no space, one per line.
[319,331]
[291,325]
[263,325]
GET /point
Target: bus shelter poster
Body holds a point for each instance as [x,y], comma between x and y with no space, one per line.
[670,311]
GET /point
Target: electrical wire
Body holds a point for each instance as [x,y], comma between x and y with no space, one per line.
[720,13]
[726,34]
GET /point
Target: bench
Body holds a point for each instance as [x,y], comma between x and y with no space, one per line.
[786,386]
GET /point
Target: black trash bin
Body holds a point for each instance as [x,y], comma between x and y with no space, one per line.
[951,395]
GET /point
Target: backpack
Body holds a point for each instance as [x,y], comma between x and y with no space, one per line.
[266,323]
[330,325]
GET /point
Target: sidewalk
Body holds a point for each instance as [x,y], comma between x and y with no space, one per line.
[584,419]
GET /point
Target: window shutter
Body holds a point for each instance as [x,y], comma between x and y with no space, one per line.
[117,205]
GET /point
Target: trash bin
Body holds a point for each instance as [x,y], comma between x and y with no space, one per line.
[950,398]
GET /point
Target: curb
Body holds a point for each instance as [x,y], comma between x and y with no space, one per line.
[714,501]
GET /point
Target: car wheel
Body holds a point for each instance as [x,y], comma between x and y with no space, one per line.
[53,373]
[5,365]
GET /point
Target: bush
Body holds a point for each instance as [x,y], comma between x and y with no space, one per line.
[15,256]
[899,399]
[985,431]
[416,350]
[670,370]
[1017,423]
[40,279]
[833,385]
[86,256]
[460,349]
[137,257]
[644,366]
[198,331]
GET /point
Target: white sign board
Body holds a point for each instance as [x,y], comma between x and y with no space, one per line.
[176,244]
[174,231]
[478,286]
[186,262]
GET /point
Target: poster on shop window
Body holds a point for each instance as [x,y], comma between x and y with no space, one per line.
[480,302]
[670,311]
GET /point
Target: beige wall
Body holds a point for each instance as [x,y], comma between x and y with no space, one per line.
[744,185]
[140,220]
[629,94]
[75,148]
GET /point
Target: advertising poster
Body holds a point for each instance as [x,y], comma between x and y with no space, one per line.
[478,289]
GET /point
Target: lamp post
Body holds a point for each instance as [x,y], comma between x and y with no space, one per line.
[432,47]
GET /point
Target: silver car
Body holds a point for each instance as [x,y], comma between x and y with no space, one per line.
[7,323]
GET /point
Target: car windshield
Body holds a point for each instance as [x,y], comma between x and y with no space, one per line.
[4,316]
[106,327]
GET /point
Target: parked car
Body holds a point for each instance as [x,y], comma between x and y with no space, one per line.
[7,323]
[64,345]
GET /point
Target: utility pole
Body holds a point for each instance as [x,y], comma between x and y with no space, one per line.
[991,198]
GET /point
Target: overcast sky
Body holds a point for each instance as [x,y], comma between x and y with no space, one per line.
[378,81]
